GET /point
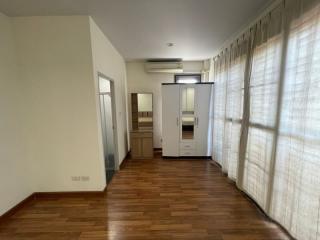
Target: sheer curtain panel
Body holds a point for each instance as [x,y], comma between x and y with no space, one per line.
[219,105]
[267,115]
[234,107]
[296,191]
[264,84]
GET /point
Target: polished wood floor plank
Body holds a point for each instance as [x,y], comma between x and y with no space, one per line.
[148,199]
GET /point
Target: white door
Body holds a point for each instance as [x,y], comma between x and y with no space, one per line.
[202,116]
[170,120]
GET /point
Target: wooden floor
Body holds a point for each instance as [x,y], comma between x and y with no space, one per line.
[149,199]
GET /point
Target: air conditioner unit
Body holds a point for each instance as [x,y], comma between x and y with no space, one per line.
[164,66]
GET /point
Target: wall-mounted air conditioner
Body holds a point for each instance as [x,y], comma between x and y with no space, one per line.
[164,66]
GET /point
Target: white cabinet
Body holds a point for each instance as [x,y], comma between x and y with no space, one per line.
[141,144]
[202,112]
[170,120]
[185,119]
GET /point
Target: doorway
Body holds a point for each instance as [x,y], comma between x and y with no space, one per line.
[107,110]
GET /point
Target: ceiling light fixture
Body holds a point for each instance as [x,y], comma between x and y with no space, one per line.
[170,44]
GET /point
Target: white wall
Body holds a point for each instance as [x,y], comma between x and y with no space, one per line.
[14,174]
[141,82]
[109,62]
[55,62]
[50,118]
[193,66]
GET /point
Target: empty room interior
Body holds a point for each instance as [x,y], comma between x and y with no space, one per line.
[160,119]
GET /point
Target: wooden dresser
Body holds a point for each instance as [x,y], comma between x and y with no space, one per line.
[141,144]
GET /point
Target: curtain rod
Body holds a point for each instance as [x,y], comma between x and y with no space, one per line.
[268,11]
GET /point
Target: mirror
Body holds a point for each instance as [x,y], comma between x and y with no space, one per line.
[187,118]
[142,111]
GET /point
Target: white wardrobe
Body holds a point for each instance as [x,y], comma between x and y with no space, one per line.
[185,120]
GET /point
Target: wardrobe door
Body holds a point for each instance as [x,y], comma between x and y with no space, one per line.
[202,115]
[170,120]
[187,120]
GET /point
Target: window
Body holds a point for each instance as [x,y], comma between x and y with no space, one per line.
[187,78]
[219,105]
[279,153]
[296,191]
[234,109]
[264,85]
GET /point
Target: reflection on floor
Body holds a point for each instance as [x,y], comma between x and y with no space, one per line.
[148,199]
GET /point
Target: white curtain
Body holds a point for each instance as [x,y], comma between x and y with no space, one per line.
[267,115]
[220,76]
[296,190]
[264,86]
[234,107]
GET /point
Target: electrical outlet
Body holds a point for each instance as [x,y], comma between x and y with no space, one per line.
[85,178]
[76,178]
[80,178]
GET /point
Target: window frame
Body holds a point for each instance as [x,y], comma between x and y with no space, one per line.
[197,76]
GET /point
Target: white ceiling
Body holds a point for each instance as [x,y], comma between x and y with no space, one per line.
[140,29]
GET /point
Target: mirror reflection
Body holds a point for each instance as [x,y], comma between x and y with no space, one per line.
[142,112]
[188,117]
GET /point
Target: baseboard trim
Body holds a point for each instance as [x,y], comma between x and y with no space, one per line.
[17,207]
[124,161]
[42,195]
[188,158]
[39,195]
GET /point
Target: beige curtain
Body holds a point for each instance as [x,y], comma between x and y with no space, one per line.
[219,100]
[295,200]
[234,106]
[263,84]
[268,115]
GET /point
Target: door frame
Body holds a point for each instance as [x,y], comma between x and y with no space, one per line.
[114,117]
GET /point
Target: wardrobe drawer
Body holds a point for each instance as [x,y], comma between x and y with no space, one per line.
[187,152]
[186,146]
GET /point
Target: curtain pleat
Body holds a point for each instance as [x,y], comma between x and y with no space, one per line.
[266,123]
[246,107]
[220,75]
[234,108]
[296,192]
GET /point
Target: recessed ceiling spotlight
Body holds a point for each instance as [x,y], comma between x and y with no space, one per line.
[170,44]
